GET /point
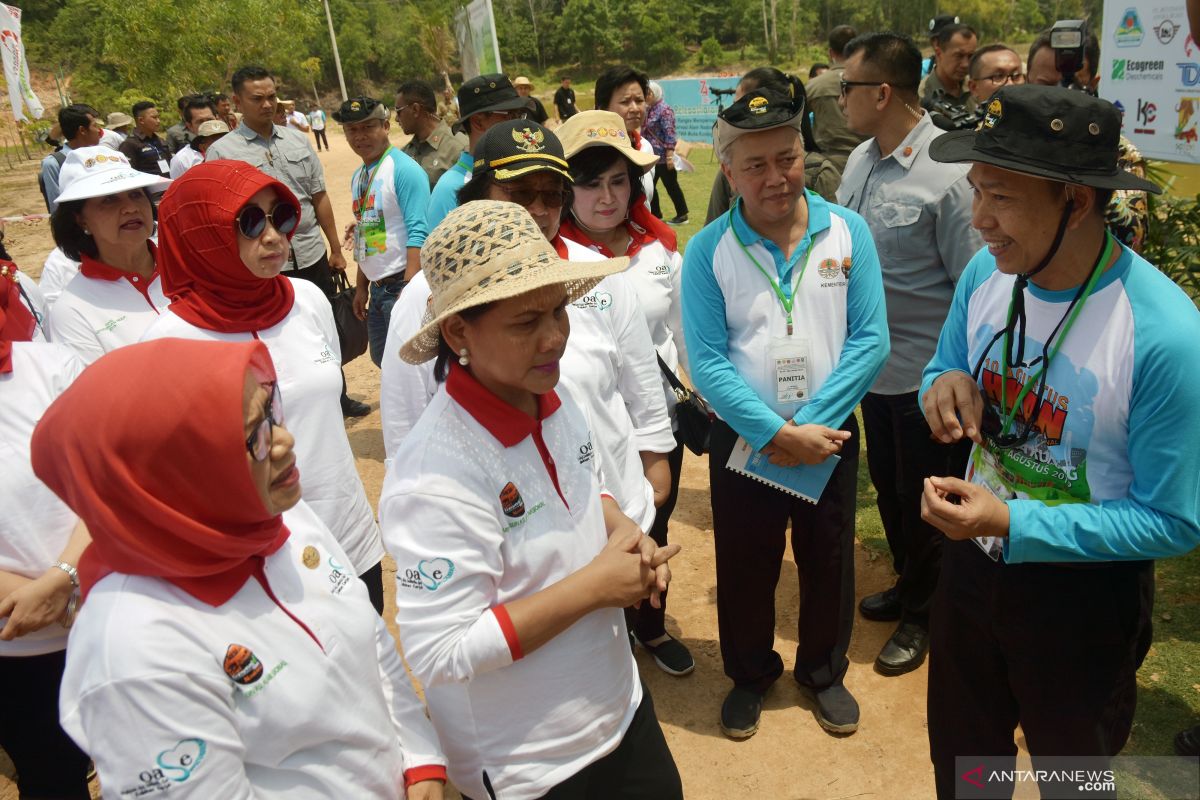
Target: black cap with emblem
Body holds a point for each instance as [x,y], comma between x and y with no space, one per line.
[488,93]
[518,147]
[1047,132]
[358,109]
[761,110]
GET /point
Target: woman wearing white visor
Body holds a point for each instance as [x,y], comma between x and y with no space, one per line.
[104,219]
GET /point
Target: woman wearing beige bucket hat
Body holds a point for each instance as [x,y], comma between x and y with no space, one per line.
[512,566]
[104,219]
[609,216]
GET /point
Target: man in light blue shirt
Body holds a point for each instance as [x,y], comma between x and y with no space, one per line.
[81,128]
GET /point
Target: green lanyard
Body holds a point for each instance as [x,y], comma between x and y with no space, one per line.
[784,300]
[1073,315]
[365,188]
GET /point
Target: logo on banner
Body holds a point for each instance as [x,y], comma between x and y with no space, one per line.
[1189,74]
[1128,69]
[1166,30]
[1185,127]
[1129,31]
[1147,112]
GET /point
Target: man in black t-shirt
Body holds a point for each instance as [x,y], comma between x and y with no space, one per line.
[564,100]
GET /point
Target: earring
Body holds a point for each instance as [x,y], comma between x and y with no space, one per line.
[464,358]
[86,232]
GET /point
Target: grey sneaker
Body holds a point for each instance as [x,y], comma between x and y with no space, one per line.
[740,712]
[671,656]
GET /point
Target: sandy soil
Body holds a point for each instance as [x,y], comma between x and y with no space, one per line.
[791,757]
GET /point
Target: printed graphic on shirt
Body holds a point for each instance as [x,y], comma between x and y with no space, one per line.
[111,325]
[242,665]
[324,357]
[338,577]
[832,273]
[435,571]
[1051,466]
[661,269]
[598,300]
[370,234]
[173,765]
[310,557]
[510,501]
[586,452]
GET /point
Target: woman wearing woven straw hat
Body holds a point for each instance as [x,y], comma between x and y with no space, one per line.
[611,357]
[512,566]
[222,650]
[226,228]
[608,216]
[105,218]
[622,90]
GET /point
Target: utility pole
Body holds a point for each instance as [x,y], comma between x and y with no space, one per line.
[337,60]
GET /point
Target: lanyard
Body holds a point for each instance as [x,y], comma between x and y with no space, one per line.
[364,188]
[1072,314]
[784,300]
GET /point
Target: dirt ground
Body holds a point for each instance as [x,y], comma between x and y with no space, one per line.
[791,757]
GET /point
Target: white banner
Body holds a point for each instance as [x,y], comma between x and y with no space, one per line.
[477,43]
[16,71]
[1150,69]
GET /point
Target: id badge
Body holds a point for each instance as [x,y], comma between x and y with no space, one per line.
[987,472]
[791,369]
[163,166]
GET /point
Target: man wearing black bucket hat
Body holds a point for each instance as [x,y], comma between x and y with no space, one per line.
[783,313]
[1069,362]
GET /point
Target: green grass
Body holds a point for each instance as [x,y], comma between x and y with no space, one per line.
[1169,680]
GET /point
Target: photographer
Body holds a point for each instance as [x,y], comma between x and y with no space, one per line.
[919,213]
[953,48]
[992,67]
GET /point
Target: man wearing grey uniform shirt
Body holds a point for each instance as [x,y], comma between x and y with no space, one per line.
[919,213]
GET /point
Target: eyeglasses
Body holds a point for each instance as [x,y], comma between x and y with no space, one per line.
[504,116]
[400,109]
[258,443]
[252,220]
[551,198]
[1015,78]
[845,84]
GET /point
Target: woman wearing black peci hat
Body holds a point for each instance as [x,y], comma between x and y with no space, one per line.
[1066,359]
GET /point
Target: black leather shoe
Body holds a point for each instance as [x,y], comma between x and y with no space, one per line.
[740,712]
[882,606]
[353,408]
[905,651]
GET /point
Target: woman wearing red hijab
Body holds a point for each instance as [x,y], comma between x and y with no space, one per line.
[40,544]
[220,650]
[224,231]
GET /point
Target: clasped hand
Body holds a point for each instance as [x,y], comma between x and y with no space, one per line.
[632,568]
[804,444]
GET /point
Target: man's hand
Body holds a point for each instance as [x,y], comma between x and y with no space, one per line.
[670,160]
[337,261]
[954,396]
[348,236]
[361,296]
[804,444]
[977,511]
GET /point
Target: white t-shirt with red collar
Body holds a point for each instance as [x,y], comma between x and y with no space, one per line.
[35,524]
[484,505]
[304,346]
[103,308]
[177,698]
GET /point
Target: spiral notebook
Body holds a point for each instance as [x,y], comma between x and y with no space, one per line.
[805,481]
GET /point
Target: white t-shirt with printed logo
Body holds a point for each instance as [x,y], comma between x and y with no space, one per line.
[174,697]
[304,347]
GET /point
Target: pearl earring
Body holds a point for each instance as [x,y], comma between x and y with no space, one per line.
[463,357]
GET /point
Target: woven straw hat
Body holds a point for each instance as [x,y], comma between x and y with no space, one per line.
[601,129]
[490,250]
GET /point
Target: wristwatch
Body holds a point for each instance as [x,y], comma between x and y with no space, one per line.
[72,573]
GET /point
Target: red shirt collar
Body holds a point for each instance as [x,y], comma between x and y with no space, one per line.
[509,425]
[94,268]
[638,237]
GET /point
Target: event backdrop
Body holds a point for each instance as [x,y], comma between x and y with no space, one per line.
[695,105]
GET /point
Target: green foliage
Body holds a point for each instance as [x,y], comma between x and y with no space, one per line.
[1172,243]
[711,54]
[656,40]
[591,31]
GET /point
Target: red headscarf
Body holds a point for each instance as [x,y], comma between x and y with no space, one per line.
[16,322]
[148,447]
[201,269]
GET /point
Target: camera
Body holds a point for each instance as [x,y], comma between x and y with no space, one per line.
[726,92]
[950,115]
[1068,38]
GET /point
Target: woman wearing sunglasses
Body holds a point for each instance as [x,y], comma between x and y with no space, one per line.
[222,649]
[225,237]
[512,566]
[609,216]
[104,219]
[610,359]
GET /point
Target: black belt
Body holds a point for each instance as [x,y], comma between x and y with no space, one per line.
[391,279]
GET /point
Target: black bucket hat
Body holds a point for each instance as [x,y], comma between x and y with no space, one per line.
[486,93]
[1048,132]
[518,147]
[357,109]
[761,110]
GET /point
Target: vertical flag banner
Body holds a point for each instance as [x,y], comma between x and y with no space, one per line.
[1150,70]
[475,29]
[16,70]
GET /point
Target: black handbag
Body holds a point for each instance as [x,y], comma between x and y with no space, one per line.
[691,413]
[352,331]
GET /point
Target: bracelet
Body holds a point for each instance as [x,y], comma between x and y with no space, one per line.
[72,573]
[68,617]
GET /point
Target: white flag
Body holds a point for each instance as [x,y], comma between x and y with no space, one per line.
[16,71]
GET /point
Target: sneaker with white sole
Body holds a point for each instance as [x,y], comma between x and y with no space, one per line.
[671,656]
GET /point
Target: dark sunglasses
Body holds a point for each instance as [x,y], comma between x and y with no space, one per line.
[845,84]
[258,443]
[252,220]
[551,198]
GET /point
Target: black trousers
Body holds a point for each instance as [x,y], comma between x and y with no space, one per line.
[373,578]
[49,765]
[750,522]
[670,180]
[649,622]
[1052,647]
[900,455]
[641,768]
[319,135]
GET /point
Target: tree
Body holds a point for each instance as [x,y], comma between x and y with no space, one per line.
[590,29]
